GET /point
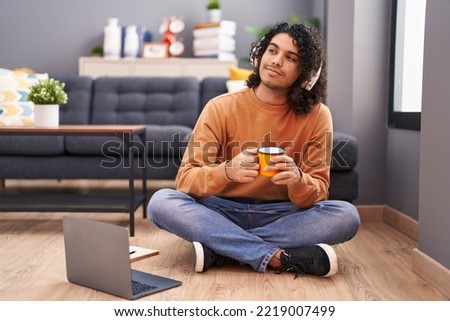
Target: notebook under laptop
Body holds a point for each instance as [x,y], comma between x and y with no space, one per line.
[97,256]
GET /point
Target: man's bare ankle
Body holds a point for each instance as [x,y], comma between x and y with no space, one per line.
[275,261]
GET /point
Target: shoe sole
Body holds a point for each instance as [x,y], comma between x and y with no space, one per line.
[332,257]
[199,257]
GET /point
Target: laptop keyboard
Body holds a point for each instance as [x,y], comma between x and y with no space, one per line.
[139,287]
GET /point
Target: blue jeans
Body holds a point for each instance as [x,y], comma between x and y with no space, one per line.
[248,230]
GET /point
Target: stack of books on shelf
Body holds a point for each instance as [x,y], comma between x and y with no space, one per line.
[215,40]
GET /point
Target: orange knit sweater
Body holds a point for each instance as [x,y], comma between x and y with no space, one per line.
[235,121]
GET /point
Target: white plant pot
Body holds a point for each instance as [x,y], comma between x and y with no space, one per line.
[46,115]
[214,15]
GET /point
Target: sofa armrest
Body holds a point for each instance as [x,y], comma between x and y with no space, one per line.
[345,152]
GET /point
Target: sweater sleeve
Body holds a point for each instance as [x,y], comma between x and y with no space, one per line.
[202,172]
[315,164]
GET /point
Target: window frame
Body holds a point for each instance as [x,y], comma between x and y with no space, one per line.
[398,119]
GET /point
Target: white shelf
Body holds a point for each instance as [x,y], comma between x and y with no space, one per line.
[167,67]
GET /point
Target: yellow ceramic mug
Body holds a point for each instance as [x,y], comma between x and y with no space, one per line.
[264,156]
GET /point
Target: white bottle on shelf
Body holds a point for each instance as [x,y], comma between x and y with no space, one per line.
[131,43]
[112,40]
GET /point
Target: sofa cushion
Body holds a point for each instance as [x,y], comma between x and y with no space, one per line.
[235,85]
[212,87]
[15,109]
[237,73]
[31,145]
[79,92]
[146,100]
[165,141]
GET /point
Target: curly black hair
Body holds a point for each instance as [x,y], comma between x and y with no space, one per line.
[312,56]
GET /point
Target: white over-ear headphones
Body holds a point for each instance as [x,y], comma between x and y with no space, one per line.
[254,61]
[309,84]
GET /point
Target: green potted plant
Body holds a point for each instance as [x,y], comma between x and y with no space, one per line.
[97,51]
[213,4]
[214,10]
[46,95]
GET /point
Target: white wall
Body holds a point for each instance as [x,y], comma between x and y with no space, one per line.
[358,87]
[434,191]
[402,171]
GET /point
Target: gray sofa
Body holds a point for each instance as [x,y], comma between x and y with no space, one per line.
[168,107]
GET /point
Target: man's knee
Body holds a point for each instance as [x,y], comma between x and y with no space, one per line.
[158,202]
[348,214]
[351,217]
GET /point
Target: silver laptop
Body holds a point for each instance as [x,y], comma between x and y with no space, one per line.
[97,256]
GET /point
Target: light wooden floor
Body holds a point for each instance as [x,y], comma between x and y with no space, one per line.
[375,265]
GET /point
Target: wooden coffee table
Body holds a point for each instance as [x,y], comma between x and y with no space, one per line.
[75,202]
